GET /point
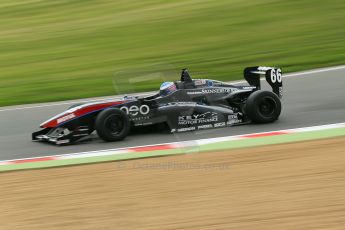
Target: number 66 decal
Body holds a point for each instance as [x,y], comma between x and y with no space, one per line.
[276,75]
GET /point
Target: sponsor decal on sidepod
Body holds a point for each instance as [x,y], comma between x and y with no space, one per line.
[66,118]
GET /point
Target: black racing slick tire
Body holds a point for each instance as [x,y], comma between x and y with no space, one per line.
[263,107]
[112,125]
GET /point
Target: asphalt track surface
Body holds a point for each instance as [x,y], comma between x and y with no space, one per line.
[310,98]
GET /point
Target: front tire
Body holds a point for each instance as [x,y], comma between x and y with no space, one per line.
[263,107]
[112,125]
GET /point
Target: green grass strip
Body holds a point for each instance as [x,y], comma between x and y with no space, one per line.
[59,50]
[250,142]
[88,160]
[279,139]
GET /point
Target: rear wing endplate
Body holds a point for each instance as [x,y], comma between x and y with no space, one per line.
[273,76]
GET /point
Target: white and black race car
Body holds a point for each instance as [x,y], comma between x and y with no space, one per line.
[185,105]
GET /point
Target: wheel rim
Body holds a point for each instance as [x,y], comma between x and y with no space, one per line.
[114,124]
[267,106]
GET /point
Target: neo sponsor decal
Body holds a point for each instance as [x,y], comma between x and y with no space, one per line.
[135,110]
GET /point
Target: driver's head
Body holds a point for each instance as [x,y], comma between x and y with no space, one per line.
[167,88]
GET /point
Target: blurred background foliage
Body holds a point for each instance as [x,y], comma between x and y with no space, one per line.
[64,49]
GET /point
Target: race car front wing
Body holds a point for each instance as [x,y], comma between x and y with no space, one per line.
[61,136]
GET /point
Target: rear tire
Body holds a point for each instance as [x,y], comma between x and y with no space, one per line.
[263,107]
[112,125]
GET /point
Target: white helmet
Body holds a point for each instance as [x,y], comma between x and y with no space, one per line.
[167,88]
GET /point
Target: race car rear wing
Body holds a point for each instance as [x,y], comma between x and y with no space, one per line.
[273,76]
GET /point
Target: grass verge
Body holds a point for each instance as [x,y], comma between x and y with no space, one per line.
[64,49]
[220,146]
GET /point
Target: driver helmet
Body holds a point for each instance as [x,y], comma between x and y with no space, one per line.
[167,88]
